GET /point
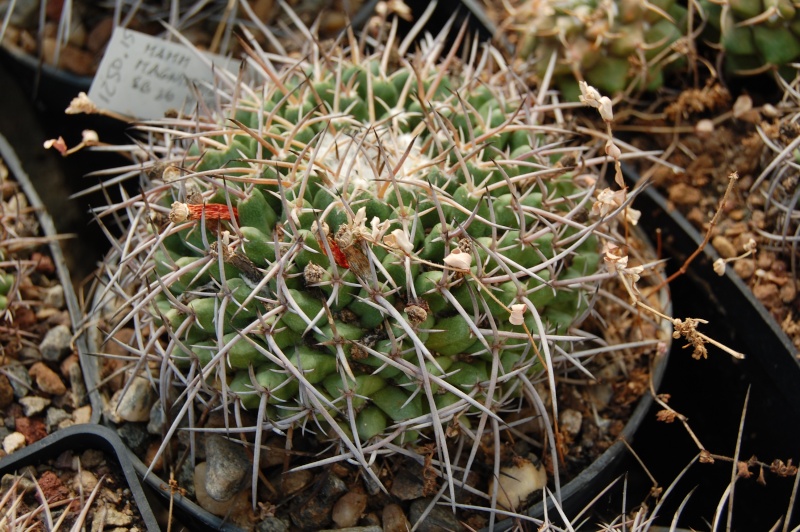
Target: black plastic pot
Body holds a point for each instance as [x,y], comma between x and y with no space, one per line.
[79,438]
[757,332]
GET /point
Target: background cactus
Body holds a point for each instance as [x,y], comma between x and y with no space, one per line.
[375,251]
[614,45]
[755,35]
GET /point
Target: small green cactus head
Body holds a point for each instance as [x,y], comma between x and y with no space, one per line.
[755,35]
[377,254]
[616,46]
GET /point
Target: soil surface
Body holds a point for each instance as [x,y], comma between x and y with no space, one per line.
[63,488]
[709,135]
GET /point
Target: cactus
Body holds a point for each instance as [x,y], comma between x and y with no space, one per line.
[755,35]
[379,254]
[614,45]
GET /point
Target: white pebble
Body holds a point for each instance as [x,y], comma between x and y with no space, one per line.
[13,442]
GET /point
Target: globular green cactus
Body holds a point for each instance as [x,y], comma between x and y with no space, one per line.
[613,45]
[755,35]
[378,253]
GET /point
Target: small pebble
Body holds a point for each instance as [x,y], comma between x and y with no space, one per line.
[33,428]
[6,391]
[116,518]
[46,379]
[439,519]
[571,421]
[20,379]
[313,512]
[683,194]
[30,353]
[394,519]
[92,458]
[407,484]
[32,404]
[24,484]
[54,417]
[82,415]
[135,437]
[724,247]
[85,480]
[294,481]
[273,524]
[238,506]
[228,467]
[348,509]
[57,343]
[157,423]
[13,442]
[54,296]
[71,370]
[135,404]
[517,483]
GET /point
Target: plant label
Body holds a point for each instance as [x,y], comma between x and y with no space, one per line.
[143,76]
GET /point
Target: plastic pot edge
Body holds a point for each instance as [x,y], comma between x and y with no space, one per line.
[764,338]
[86,436]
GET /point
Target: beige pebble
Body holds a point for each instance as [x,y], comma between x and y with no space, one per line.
[85,480]
[348,509]
[6,391]
[724,247]
[788,291]
[46,379]
[744,268]
[394,519]
[683,194]
[13,442]
[82,415]
[517,483]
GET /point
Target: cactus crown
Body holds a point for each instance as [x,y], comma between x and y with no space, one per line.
[379,252]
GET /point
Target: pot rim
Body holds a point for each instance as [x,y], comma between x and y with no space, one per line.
[82,437]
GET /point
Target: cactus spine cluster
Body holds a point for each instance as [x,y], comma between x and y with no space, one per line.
[379,253]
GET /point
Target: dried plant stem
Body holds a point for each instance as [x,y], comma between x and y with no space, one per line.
[732,179]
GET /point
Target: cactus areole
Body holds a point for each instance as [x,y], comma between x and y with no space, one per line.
[378,254]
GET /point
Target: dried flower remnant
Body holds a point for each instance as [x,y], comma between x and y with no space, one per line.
[458,260]
[721,263]
[688,329]
[57,144]
[398,239]
[517,312]
[181,212]
[783,469]
[666,416]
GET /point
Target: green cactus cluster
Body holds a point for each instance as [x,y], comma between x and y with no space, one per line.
[755,35]
[614,45]
[379,253]
[7,281]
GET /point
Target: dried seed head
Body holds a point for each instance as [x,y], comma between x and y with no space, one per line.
[89,137]
[458,260]
[81,104]
[313,273]
[719,267]
[416,314]
[171,173]
[179,212]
